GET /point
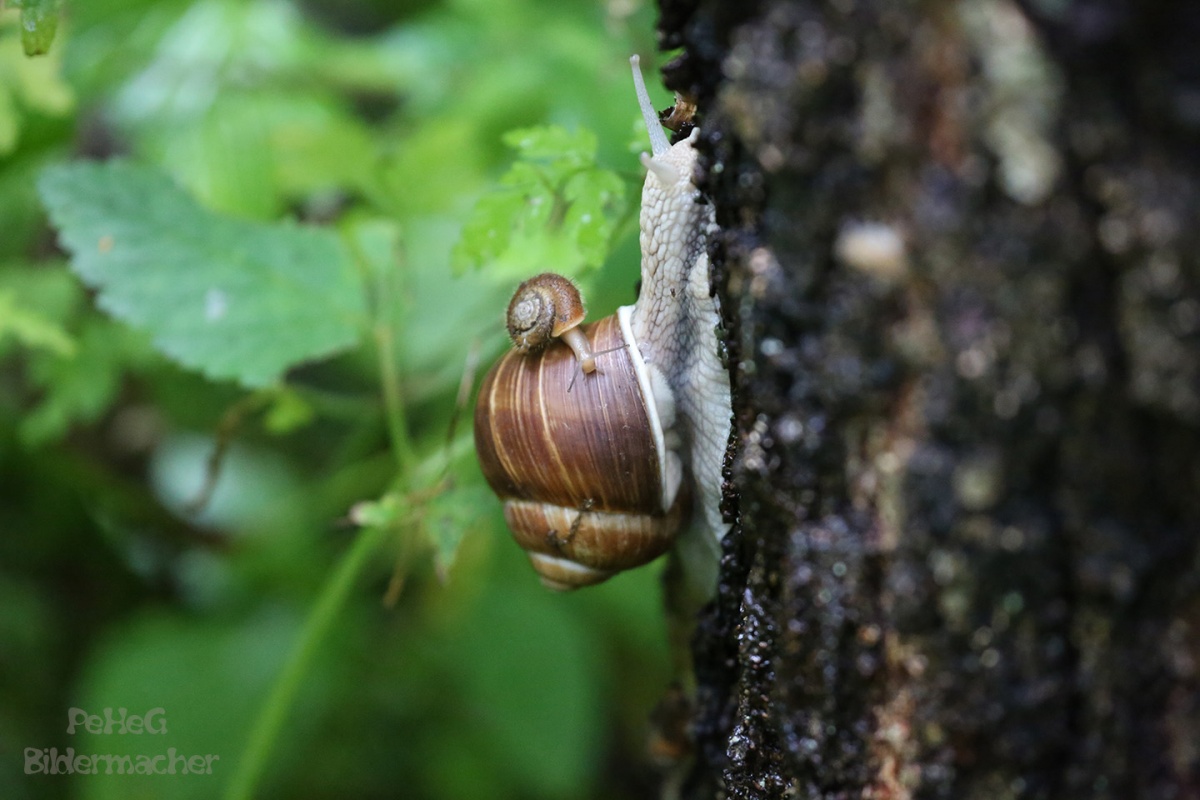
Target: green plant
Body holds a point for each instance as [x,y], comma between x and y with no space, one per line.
[240,394]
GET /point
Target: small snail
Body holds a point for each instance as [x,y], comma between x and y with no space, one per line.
[599,479]
[548,307]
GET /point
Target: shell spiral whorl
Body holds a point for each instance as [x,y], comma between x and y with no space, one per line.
[541,309]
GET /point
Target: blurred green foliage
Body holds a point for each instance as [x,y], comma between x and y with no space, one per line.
[314,218]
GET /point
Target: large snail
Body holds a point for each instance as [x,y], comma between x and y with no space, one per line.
[597,474]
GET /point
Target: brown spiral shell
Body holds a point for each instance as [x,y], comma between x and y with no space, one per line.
[586,490]
[541,309]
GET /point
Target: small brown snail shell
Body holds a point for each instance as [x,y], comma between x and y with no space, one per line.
[548,307]
[590,489]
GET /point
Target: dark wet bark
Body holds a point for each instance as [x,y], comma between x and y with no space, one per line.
[968,470]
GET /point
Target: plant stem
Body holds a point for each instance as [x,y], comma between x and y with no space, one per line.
[384,275]
[390,293]
[393,398]
[274,711]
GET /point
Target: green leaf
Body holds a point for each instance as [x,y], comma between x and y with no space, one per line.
[554,144]
[486,235]
[288,412]
[447,519]
[75,361]
[39,23]
[253,153]
[597,199]
[29,88]
[230,298]
[47,286]
[376,244]
[553,206]
[80,388]
[31,328]
[381,513]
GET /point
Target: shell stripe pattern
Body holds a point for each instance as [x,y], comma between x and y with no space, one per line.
[581,449]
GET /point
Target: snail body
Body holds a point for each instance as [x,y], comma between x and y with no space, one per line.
[598,475]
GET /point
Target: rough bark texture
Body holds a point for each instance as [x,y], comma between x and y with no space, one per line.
[966,559]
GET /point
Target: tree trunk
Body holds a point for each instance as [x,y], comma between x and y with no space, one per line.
[960,273]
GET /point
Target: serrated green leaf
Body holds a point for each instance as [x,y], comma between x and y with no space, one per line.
[233,299]
[554,206]
[526,179]
[524,202]
[597,199]
[548,158]
[537,202]
[486,235]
